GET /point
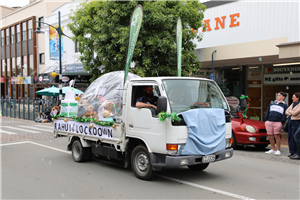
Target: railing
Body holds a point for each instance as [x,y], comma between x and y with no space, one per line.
[25,108]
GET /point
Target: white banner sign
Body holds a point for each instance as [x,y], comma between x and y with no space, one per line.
[83,128]
[281,79]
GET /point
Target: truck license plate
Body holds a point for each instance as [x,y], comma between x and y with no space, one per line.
[208,158]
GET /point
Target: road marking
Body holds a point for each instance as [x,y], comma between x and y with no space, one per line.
[26,142]
[207,188]
[169,178]
[21,129]
[36,128]
[51,127]
[7,132]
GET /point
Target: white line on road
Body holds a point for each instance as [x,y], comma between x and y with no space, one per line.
[21,129]
[207,188]
[169,178]
[25,142]
[45,126]
[36,128]
[7,132]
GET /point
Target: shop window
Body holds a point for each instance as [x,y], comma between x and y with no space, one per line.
[24,31]
[42,58]
[2,38]
[29,29]
[12,35]
[18,33]
[7,36]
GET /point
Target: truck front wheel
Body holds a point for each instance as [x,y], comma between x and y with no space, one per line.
[199,167]
[141,164]
[78,152]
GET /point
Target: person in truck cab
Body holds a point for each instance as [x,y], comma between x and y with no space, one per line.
[148,99]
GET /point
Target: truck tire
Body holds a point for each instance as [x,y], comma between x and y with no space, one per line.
[199,167]
[78,152]
[141,163]
[234,143]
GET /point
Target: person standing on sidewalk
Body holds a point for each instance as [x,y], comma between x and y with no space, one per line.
[274,118]
[294,112]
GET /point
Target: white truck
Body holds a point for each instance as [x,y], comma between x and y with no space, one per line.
[145,143]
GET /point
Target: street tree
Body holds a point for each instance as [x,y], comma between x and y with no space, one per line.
[101,29]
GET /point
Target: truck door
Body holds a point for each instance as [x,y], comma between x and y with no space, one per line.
[143,123]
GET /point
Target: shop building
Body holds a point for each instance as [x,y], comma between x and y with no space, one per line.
[22,50]
[255,48]
[72,68]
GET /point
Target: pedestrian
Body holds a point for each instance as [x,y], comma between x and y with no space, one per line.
[274,119]
[293,112]
[297,141]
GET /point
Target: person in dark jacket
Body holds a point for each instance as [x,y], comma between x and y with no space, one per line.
[274,118]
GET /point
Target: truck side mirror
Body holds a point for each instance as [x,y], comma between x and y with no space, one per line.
[161,104]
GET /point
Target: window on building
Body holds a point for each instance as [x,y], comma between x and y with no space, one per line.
[7,36]
[12,35]
[2,38]
[18,33]
[76,47]
[41,19]
[42,58]
[29,29]
[24,31]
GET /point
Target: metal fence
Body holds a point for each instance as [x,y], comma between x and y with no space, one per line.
[25,108]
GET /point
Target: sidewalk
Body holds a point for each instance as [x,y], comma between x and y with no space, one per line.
[284,139]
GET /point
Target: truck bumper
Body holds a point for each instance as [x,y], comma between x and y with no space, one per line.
[159,161]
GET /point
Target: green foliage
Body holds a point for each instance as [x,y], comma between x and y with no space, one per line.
[162,116]
[102,27]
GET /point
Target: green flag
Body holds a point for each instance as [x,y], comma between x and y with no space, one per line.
[179,45]
[134,29]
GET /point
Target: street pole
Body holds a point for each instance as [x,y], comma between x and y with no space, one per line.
[60,33]
[60,66]
[212,76]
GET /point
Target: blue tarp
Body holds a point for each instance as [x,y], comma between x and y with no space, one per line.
[206,131]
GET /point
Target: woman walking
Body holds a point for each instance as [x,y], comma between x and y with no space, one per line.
[293,112]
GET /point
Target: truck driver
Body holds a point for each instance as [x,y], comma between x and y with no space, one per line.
[148,99]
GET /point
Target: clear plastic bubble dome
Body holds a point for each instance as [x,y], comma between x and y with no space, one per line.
[103,98]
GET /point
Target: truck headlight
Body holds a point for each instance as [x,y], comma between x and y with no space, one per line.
[250,129]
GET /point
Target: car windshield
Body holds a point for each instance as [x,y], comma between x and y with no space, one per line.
[189,94]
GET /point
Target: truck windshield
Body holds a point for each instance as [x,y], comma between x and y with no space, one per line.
[187,94]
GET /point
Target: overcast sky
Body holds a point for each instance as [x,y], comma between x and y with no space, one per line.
[14,3]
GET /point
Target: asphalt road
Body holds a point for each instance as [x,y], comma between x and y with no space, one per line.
[37,166]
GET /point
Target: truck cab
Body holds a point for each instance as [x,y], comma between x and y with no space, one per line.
[165,140]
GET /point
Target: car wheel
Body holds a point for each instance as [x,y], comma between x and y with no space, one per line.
[261,146]
[141,163]
[199,167]
[234,144]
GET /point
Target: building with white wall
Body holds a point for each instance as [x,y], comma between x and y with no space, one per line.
[257,49]
[72,68]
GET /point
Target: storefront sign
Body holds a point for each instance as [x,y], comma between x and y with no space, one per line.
[70,68]
[83,129]
[281,79]
[65,79]
[21,80]
[282,70]
[221,22]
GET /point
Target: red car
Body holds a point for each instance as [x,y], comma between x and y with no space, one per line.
[251,132]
